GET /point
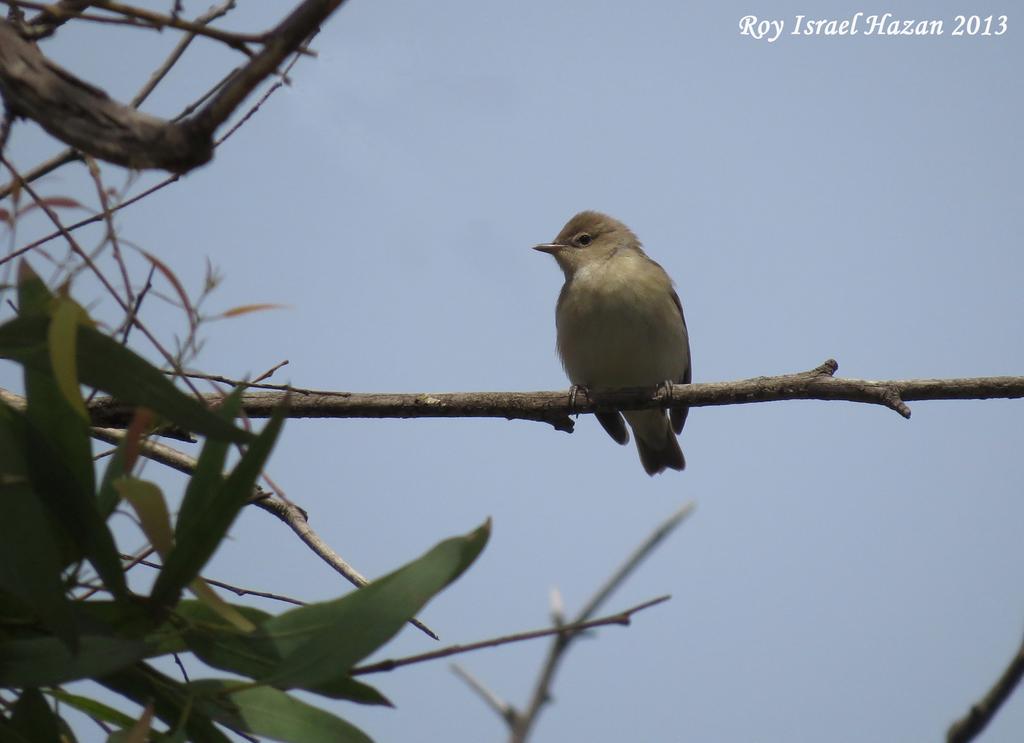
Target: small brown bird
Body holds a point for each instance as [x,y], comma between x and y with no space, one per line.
[620,324]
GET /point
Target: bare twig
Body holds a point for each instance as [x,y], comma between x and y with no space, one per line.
[158,75]
[524,722]
[502,708]
[981,712]
[623,617]
[256,382]
[553,407]
[158,20]
[237,590]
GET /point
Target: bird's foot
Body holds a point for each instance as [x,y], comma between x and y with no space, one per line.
[667,387]
[573,392]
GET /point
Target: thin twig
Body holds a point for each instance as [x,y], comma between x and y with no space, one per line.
[256,382]
[556,652]
[237,590]
[502,708]
[157,20]
[111,230]
[147,19]
[981,712]
[622,617]
[217,11]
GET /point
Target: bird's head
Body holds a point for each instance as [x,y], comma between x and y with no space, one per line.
[588,238]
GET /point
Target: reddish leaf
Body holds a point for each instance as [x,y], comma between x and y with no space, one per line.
[247,308]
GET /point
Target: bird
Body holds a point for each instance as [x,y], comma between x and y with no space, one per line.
[620,323]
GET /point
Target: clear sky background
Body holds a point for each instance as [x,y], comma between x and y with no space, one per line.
[847,575]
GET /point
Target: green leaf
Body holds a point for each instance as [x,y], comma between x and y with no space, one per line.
[211,517]
[208,476]
[30,564]
[208,596]
[59,455]
[174,703]
[319,643]
[60,468]
[105,364]
[138,732]
[148,502]
[354,691]
[219,644]
[92,708]
[33,296]
[62,338]
[107,498]
[273,714]
[46,661]
[33,718]
[9,735]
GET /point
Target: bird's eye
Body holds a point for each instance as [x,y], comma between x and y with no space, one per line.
[583,239]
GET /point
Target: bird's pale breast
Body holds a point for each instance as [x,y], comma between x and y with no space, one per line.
[618,326]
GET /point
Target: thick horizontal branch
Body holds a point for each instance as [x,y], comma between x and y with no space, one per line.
[554,407]
[86,118]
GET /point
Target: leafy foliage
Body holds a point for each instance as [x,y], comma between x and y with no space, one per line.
[55,512]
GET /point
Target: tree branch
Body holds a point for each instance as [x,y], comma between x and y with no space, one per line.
[622,617]
[981,712]
[553,407]
[524,722]
[87,119]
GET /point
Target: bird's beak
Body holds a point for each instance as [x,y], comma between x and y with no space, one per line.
[550,248]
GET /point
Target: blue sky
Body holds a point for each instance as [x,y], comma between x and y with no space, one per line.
[847,575]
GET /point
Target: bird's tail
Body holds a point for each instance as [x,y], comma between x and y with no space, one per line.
[655,441]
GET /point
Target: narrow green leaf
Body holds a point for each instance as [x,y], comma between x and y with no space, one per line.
[105,364]
[174,703]
[92,708]
[33,296]
[213,517]
[319,643]
[354,691]
[9,735]
[59,455]
[138,732]
[219,644]
[208,596]
[148,502]
[72,508]
[33,718]
[62,338]
[46,661]
[208,476]
[107,498]
[30,564]
[271,713]
[136,619]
